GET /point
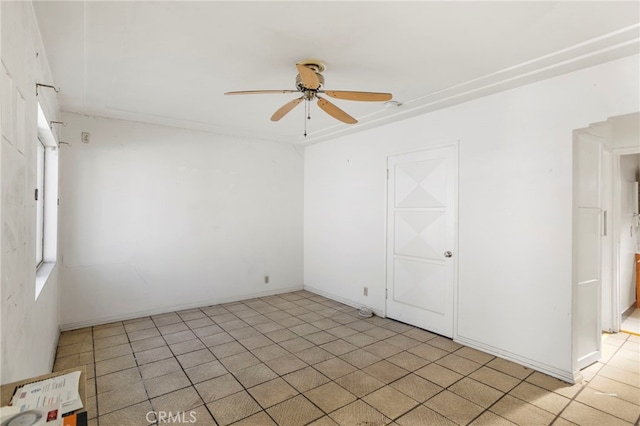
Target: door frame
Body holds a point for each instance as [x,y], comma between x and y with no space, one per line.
[456,225]
[611,315]
[608,274]
[616,311]
[579,360]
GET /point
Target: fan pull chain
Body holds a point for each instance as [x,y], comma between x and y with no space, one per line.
[307,112]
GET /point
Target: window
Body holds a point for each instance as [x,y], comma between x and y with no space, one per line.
[46,201]
[39,196]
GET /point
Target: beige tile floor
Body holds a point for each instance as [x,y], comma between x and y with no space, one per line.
[301,359]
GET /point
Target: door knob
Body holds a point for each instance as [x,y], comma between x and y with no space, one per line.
[448,254]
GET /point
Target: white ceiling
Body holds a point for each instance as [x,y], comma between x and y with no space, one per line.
[170,62]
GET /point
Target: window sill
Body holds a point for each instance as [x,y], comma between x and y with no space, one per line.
[42,276]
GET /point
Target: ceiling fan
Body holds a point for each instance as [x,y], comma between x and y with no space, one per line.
[310,82]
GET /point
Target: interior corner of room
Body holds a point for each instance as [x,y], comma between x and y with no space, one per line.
[537,224]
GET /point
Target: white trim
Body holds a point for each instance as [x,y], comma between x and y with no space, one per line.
[617,44]
[44,131]
[342,300]
[606,312]
[567,376]
[564,375]
[173,308]
[50,236]
[616,318]
[578,144]
[53,352]
[40,185]
[42,276]
[456,243]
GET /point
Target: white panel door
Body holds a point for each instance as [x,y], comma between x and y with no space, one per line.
[421,226]
[587,248]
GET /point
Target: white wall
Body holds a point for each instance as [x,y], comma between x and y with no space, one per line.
[624,131]
[29,328]
[157,218]
[514,283]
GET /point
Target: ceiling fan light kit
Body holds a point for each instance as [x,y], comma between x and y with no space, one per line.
[310,82]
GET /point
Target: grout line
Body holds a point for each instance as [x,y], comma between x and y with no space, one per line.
[346,310]
[193,385]
[219,359]
[229,372]
[95,380]
[245,389]
[586,384]
[523,380]
[144,383]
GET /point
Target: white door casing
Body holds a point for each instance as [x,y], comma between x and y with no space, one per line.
[587,248]
[607,240]
[421,237]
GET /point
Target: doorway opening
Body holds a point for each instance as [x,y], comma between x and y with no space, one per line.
[625,236]
[606,237]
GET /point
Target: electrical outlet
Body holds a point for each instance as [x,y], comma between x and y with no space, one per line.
[85,137]
[366,291]
[266,279]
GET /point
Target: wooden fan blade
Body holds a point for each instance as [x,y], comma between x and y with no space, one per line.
[359,96]
[260,92]
[335,112]
[308,76]
[284,109]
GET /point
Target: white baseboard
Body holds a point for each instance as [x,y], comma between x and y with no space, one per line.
[347,302]
[629,310]
[173,308]
[566,376]
[577,376]
[54,352]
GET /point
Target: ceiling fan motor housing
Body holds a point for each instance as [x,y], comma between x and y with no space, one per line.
[301,87]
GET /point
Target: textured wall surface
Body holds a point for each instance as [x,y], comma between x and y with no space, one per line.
[29,327]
